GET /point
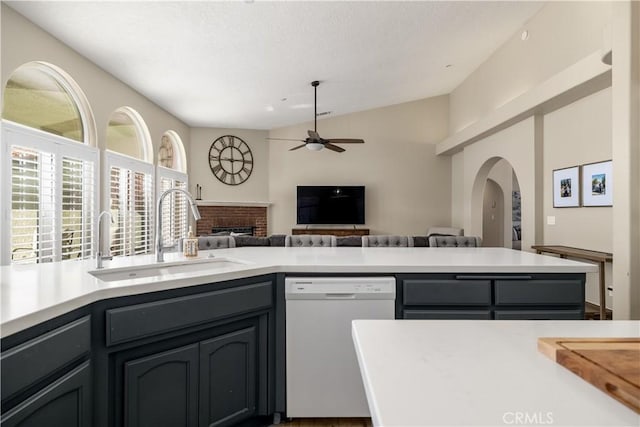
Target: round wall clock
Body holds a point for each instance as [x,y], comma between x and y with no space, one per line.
[165,153]
[230,160]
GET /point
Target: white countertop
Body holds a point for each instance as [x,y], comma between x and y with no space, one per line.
[35,293]
[480,372]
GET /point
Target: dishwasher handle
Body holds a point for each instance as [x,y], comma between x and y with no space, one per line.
[339,296]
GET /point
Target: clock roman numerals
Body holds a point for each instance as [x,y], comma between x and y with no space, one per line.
[231,160]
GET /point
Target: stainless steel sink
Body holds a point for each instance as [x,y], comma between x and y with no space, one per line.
[163,269]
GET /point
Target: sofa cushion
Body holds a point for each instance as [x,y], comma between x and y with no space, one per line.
[421,241]
[310,240]
[276,240]
[385,241]
[251,241]
[351,241]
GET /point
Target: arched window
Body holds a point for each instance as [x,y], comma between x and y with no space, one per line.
[127,134]
[171,153]
[42,96]
[171,173]
[129,164]
[51,163]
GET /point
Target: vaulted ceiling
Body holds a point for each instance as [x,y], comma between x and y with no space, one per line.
[249,64]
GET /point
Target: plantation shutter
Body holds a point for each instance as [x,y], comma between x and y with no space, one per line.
[174,207]
[131,204]
[52,198]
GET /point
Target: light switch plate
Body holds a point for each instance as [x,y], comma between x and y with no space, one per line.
[551,220]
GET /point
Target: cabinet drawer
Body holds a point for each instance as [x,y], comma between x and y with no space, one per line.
[539,315]
[66,402]
[144,320]
[540,292]
[34,360]
[446,292]
[447,314]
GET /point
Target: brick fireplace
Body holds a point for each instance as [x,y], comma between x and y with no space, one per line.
[232,215]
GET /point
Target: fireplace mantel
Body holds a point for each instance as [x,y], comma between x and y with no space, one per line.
[227,203]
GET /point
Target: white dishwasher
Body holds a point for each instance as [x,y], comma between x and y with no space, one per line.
[323,376]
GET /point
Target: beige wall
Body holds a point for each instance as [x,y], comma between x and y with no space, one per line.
[24,42]
[577,134]
[560,34]
[516,145]
[625,113]
[502,174]
[493,215]
[255,189]
[407,187]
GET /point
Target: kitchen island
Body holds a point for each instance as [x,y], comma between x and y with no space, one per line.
[35,293]
[207,335]
[437,373]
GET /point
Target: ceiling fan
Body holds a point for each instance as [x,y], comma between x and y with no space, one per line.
[314,142]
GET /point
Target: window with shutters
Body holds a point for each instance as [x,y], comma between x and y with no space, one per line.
[130,173]
[175,221]
[130,199]
[47,155]
[52,199]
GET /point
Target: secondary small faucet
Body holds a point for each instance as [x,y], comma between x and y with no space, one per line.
[194,210]
[99,256]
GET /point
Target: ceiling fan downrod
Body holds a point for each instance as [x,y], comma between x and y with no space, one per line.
[315,84]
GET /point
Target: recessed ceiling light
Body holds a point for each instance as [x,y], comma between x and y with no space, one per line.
[448,66]
[525,35]
[269,108]
[283,99]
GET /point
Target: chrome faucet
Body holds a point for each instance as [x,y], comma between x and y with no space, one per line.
[194,210]
[99,256]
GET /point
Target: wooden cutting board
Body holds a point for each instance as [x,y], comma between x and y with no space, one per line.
[611,364]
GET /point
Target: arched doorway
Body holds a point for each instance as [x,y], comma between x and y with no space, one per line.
[497,189]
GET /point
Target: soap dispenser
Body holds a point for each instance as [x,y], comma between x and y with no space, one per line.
[190,245]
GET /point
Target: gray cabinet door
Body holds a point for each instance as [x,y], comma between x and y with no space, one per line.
[162,389]
[228,378]
[65,402]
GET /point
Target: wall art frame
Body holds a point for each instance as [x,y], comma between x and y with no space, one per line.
[566,187]
[597,184]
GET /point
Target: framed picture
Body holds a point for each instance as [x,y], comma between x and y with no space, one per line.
[566,187]
[597,184]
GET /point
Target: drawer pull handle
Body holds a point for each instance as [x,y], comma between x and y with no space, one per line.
[462,277]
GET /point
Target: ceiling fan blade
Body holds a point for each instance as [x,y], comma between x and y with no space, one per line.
[295,148]
[313,134]
[332,147]
[345,141]
[285,139]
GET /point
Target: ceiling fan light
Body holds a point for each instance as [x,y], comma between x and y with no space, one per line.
[314,146]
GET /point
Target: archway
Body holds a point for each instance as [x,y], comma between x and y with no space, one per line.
[496,204]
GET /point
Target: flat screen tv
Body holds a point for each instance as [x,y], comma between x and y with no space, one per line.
[330,205]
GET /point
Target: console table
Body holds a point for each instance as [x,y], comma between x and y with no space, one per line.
[600,257]
[332,231]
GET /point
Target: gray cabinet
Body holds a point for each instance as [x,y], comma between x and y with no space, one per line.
[204,358]
[65,402]
[162,389]
[490,296]
[46,375]
[228,378]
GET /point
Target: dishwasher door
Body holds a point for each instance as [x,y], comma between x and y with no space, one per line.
[323,376]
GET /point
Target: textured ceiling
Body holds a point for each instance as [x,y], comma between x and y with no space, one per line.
[249,64]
